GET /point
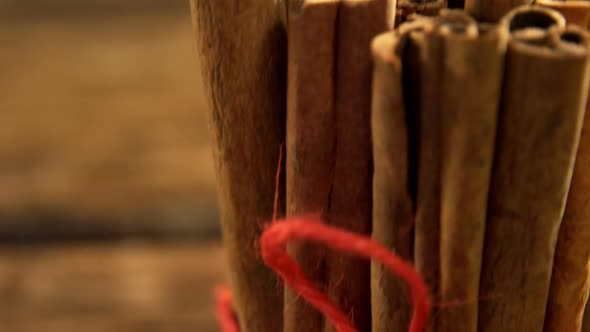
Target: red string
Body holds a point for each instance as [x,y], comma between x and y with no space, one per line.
[224,310]
[274,252]
[274,243]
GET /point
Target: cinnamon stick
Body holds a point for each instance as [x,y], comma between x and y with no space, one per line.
[310,138]
[570,281]
[425,104]
[407,8]
[492,10]
[348,278]
[392,202]
[575,11]
[471,85]
[544,96]
[242,53]
[425,97]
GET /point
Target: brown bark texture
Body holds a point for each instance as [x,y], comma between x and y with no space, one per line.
[570,281]
[471,86]
[392,201]
[544,97]
[407,8]
[348,278]
[311,136]
[426,108]
[242,51]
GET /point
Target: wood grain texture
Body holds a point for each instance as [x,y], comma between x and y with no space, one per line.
[539,129]
[570,281]
[111,142]
[471,85]
[348,278]
[119,286]
[492,10]
[310,139]
[242,50]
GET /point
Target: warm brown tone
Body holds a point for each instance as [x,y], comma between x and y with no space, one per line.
[586,319]
[471,84]
[492,10]
[575,12]
[538,134]
[102,135]
[310,139]
[426,106]
[242,52]
[347,278]
[570,281]
[392,204]
[132,287]
[407,8]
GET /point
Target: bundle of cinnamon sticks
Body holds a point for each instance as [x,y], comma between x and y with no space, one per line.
[457,138]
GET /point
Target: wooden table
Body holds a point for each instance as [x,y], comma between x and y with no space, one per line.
[113,287]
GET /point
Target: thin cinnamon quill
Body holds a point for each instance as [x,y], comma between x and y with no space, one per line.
[570,281]
[544,97]
[471,85]
[433,86]
[348,278]
[392,201]
[242,52]
[423,101]
[310,138]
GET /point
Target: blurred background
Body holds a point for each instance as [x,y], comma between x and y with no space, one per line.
[107,201]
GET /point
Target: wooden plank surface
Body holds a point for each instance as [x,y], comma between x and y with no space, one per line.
[103,129]
[118,287]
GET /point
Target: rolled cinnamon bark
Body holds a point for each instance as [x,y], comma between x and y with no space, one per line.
[471,86]
[544,97]
[492,10]
[575,11]
[348,278]
[425,104]
[242,52]
[570,281]
[392,203]
[310,138]
[425,98]
[408,8]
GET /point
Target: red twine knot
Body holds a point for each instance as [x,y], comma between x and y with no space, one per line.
[274,252]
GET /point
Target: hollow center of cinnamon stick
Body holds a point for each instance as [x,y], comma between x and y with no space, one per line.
[532,19]
[572,37]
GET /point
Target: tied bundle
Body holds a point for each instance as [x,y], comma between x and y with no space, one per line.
[451,141]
